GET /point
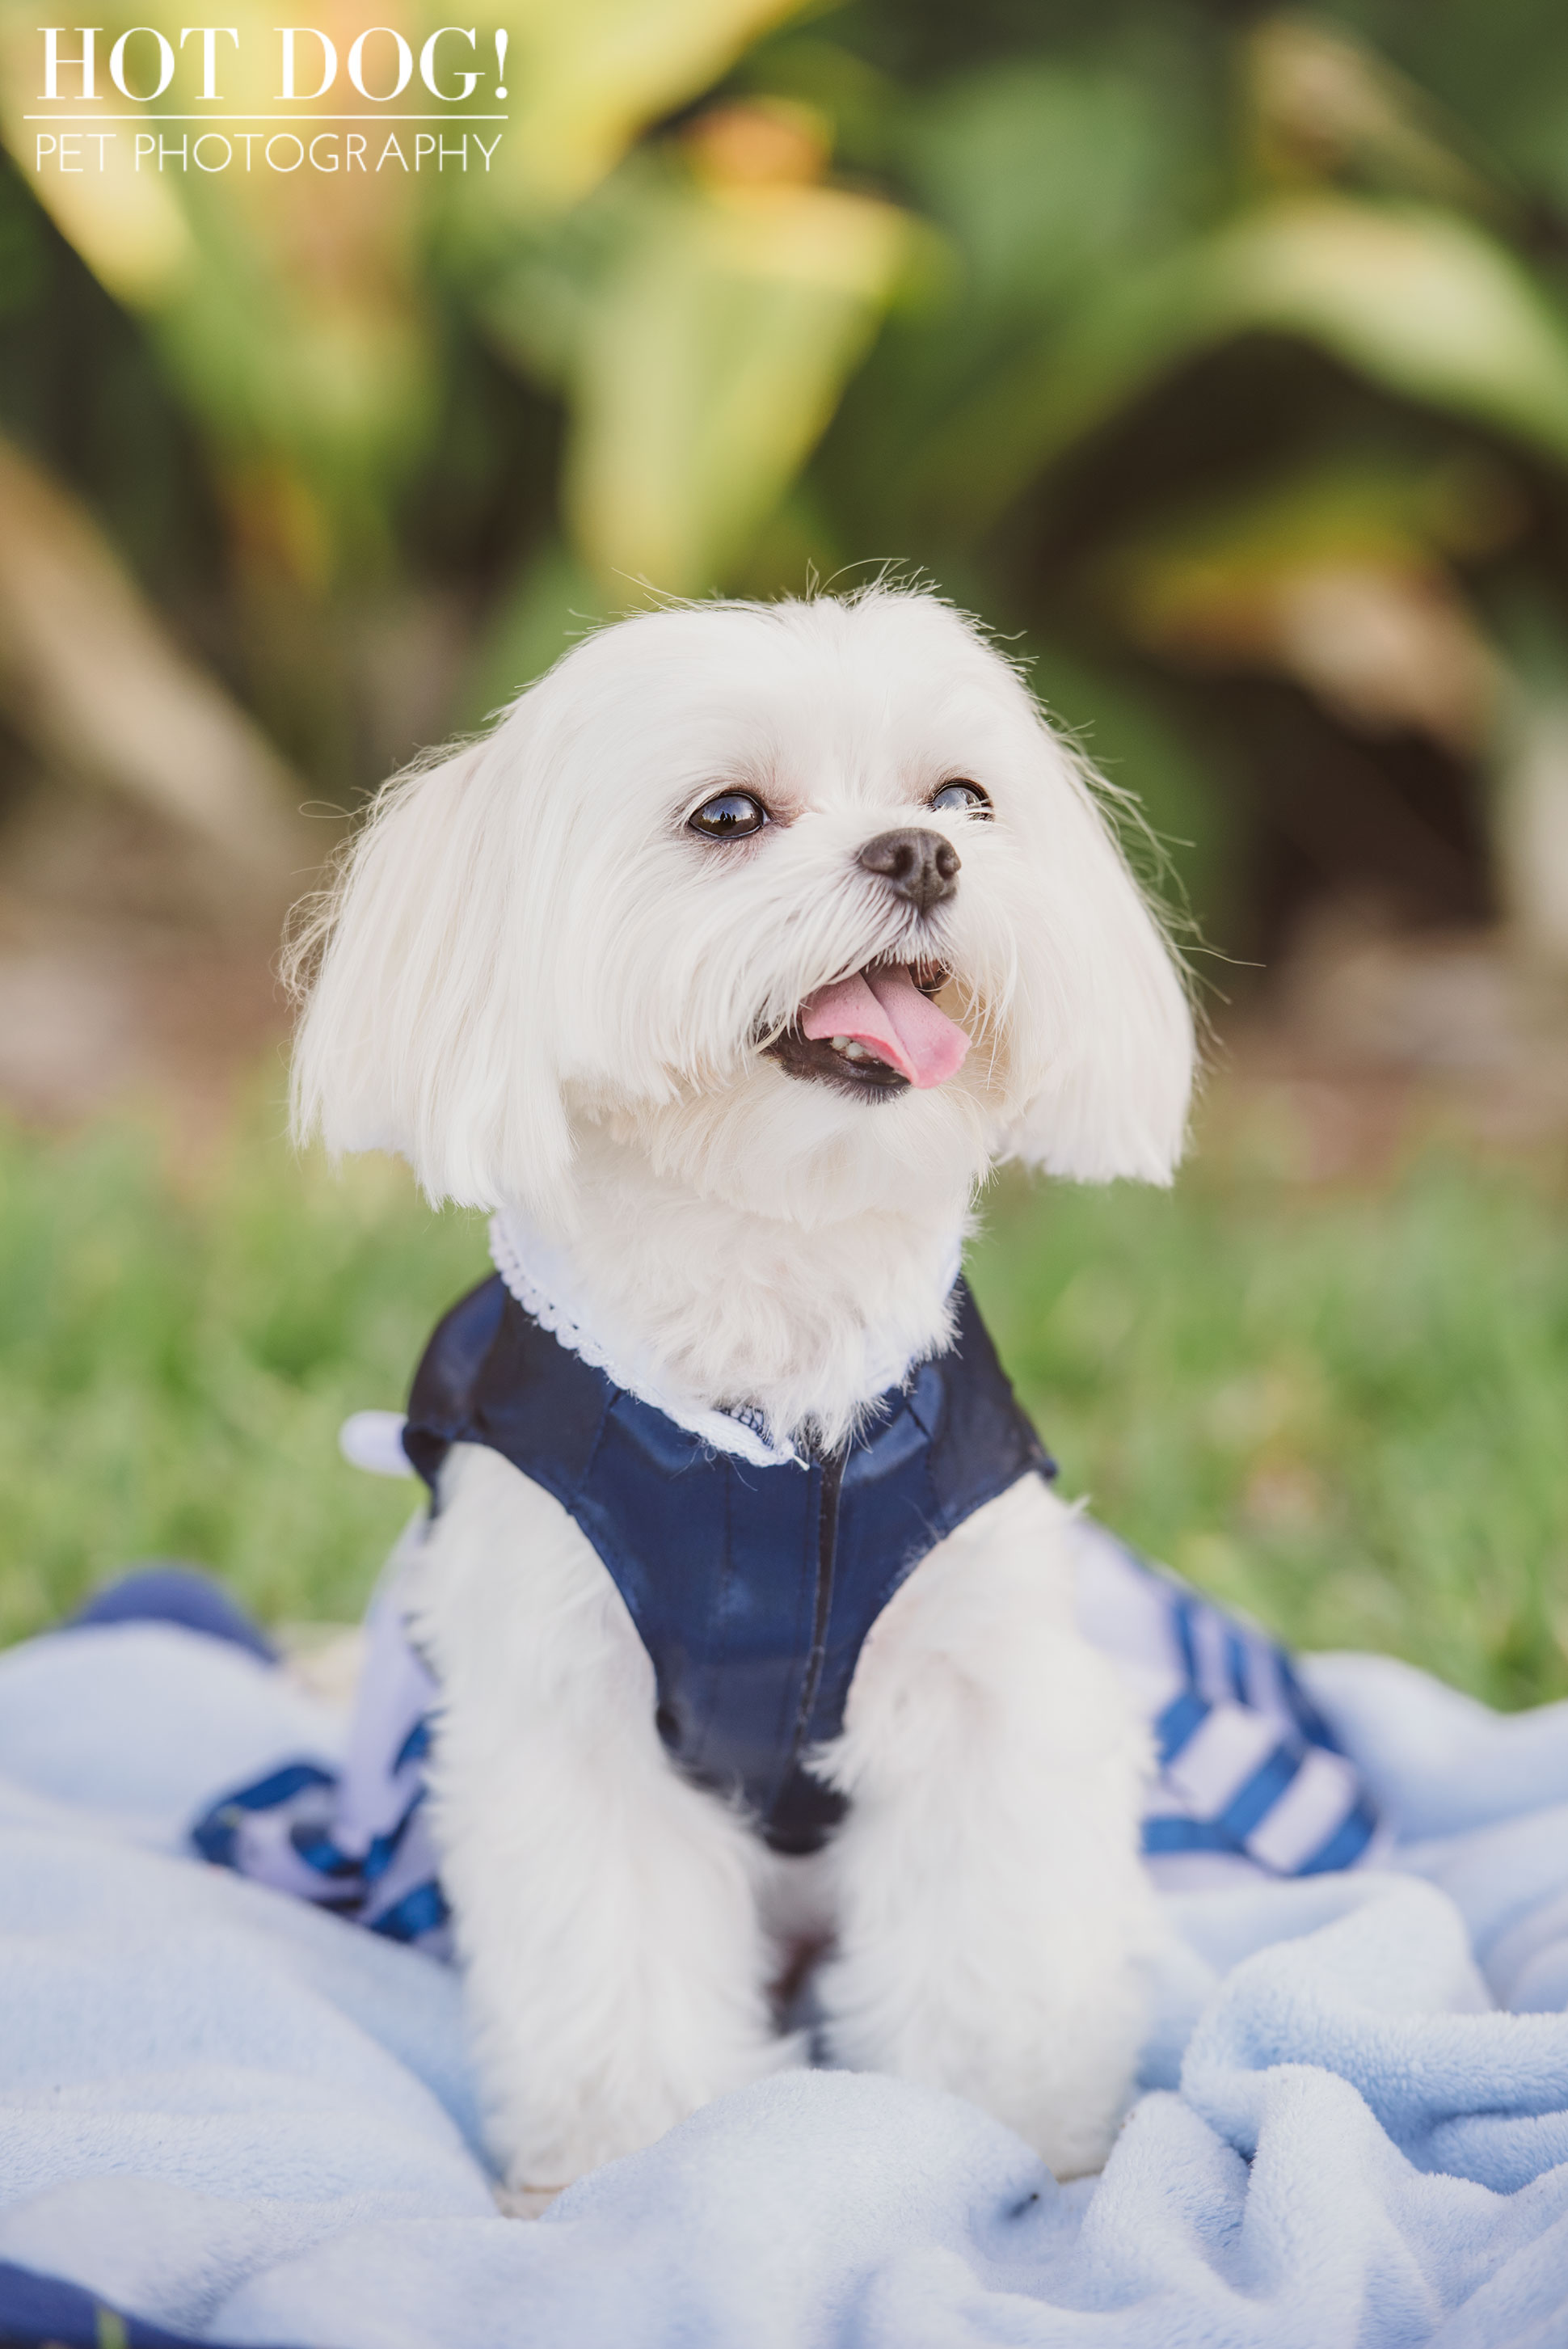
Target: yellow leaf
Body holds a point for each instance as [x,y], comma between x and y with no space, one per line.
[127,225]
[712,368]
[1420,298]
[586,78]
[1419,301]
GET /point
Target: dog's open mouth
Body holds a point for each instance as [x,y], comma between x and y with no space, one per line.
[876,1033]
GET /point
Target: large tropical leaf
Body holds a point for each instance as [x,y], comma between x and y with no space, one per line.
[1050,182]
[703,341]
[712,370]
[286,304]
[1419,302]
[586,80]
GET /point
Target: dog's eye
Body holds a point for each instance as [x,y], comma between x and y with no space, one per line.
[960,799]
[730,816]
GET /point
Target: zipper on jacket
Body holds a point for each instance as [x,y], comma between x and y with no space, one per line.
[827,1557]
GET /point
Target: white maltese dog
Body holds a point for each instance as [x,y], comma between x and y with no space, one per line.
[723,971]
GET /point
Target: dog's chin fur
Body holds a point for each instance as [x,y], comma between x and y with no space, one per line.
[554,998]
[736,1306]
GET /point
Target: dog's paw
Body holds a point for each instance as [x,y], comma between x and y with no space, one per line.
[525,2201]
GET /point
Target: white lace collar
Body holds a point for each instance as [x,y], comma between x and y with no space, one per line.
[541,1278]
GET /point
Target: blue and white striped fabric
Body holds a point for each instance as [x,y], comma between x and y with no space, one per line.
[354,1840]
[1250,1781]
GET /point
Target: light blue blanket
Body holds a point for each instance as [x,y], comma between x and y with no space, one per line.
[230,2113]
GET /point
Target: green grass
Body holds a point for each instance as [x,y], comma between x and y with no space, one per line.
[1347,1413]
[174,1367]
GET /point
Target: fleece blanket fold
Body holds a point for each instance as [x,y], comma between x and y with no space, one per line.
[240,2121]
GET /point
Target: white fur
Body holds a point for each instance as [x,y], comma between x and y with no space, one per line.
[605,1910]
[551,996]
[991,1910]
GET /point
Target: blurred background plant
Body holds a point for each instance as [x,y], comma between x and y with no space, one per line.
[1217,357]
[1221,354]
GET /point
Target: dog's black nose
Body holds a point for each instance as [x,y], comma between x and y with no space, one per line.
[919,865]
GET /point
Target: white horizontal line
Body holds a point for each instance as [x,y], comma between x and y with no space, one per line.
[451,121]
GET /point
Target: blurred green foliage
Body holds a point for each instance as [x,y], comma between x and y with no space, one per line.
[1218,355]
[176,1368]
[1342,1412]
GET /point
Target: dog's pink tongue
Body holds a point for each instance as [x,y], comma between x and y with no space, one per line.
[885,1010]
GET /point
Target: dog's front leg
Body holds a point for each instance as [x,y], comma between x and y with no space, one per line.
[604,1909]
[993,1909]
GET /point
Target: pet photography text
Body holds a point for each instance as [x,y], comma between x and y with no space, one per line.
[109,104]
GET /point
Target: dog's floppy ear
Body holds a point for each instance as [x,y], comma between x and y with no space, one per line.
[1111,1025]
[429,1026]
